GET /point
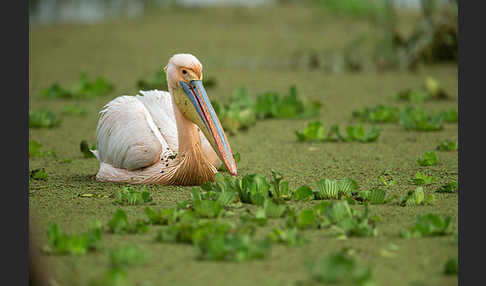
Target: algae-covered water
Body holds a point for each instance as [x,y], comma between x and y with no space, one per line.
[249,47]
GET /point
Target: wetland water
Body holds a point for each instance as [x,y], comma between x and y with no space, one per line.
[233,49]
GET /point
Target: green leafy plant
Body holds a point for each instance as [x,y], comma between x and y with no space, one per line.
[241,111]
[114,276]
[375,196]
[357,133]
[287,236]
[279,190]
[119,224]
[38,174]
[56,91]
[429,159]
[338,215]
[316,132]
[450,187]
[313,132]
[85,149]
[272,105]
[341,268]
[74,110]
[447,145]
[273,210]
[349,222]
[356,8]
[303,193]
[416,197]
[75,244]
[85,89]
[238,113]
[413,118]
[128,255]
[387,182]
[35,150]
[163,216]
[422,179]
[428,225]
[216,239]
[232,247]
[449,116]
[43,119]
[131,196]
[431,90]
[335,189]
[378,114]
[450,267]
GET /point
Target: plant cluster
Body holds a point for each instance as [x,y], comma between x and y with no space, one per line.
[131,196]
[35,150]
[315,132]
[410,117]
[85,89]
[38,174]
[241,111]
[428,225]
[450,187]
[422,179]
[74,244]
[43,119]
[431,90]
[447,145]
[429,159]
[416,197]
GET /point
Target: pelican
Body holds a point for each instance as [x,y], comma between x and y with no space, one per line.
[159,137]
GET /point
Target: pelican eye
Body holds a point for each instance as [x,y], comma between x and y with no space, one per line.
[184,72]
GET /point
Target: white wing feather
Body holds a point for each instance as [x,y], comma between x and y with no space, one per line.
[159,104]
[126,135]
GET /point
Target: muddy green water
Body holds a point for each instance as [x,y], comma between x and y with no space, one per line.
[250,47]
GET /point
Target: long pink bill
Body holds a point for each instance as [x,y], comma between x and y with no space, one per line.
[199,98]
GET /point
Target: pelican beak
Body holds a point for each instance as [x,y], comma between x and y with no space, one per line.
[197,94]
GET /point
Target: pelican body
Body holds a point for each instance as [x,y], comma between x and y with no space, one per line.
[159,137]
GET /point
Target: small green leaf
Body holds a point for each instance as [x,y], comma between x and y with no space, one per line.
[313,132]
[38,174]
[451,267]
[422,179]
[43,119]
[450,187]
[429,159]
[273,210]
[447,145]
[304,193]
[428,225]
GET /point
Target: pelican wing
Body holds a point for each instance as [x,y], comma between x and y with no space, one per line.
[126,136]
[159,104]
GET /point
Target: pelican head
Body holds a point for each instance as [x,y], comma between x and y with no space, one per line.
[184,79]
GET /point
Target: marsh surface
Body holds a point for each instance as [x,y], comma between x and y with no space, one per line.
[249,47]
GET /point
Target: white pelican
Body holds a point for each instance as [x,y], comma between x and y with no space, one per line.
[163,137]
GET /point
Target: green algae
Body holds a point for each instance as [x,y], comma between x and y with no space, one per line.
[126,49]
